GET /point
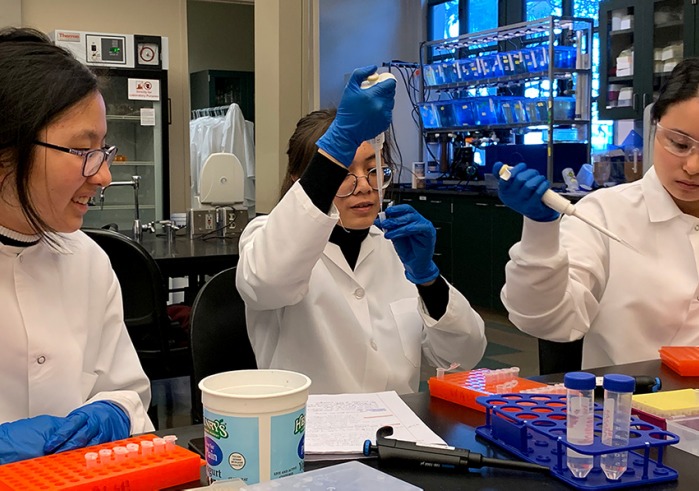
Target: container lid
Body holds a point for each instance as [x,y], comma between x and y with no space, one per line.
[579,381]
[619,383]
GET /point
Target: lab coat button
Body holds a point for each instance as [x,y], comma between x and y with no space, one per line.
[41,360]
[359,293]
[696,227]
[21,259]
[373,345]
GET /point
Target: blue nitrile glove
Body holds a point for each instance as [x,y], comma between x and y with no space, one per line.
[25,438]
[414,238]
[523,191]
[362,114]
[98,422]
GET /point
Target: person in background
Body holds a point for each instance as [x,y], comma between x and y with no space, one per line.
[70,375]
[330,295]
[565,280]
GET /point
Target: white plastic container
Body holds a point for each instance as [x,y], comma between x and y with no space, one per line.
[254,424]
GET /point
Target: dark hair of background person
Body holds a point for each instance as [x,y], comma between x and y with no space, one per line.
[39,82]
[682,85]
[302,145]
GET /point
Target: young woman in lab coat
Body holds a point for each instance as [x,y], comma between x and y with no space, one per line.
[330,295]
[70,375]
[565,280]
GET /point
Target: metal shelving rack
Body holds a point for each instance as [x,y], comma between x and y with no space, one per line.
[553,31]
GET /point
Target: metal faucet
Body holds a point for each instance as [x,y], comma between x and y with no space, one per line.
[137,228]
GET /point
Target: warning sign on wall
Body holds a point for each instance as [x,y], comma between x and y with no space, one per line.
[144,90]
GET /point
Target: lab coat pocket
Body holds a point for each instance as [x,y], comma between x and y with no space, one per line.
[409,324]
[87,384]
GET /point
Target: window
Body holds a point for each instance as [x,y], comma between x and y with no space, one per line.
[481,15]
[538,9]
[442,23]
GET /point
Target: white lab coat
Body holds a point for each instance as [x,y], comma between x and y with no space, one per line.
[573,282]
[238,139]
[350,331]
[64,343]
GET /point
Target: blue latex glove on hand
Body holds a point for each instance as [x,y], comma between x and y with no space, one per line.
[95,423]
[25,438]
[362,115]
[523,191]
[414,238]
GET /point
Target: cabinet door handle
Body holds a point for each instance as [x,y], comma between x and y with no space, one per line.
[500,205]
[481,204]
[644,100]
[438,228]
[408,199]
[436,202]
[437,254]
[633,101]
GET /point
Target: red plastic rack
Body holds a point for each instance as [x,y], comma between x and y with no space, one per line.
[464,387]
[69,471]
[682,359]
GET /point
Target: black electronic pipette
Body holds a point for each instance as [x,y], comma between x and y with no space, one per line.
[436,456]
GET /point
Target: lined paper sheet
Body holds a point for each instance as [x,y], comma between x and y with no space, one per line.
[338,424]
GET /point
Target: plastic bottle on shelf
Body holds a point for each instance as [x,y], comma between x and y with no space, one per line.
[616,422]
[580,413]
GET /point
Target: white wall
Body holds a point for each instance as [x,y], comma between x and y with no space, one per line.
[221,36]
[10,13]
[370,32]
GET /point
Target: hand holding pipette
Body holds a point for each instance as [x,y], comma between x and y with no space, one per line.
[529,194]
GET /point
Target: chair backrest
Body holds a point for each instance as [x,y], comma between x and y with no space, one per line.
[220,341]
[559,357]
[145,305]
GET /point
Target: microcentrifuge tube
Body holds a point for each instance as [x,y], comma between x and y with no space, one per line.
[159,445]
[170,442]
[120,453]
[91,459]
[580,414]
[105,456]
[616,422]
[146,448]
[132,449]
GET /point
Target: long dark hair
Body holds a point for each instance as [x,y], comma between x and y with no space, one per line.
[682,85]
[38,83]
[302,145]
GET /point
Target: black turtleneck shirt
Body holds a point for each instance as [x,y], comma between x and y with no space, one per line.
[320,181]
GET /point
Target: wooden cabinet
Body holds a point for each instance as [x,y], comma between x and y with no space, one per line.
[640,42]
[474,234]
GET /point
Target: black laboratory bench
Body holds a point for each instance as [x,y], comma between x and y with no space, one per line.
[475,230]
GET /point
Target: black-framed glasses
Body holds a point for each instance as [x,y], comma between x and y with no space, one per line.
[678,144]
[92,159]
[349,185]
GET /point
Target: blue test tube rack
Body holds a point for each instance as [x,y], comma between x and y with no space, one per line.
[533,427]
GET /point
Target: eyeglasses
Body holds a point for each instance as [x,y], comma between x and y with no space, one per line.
[92,159]
[676,143]
[349,185]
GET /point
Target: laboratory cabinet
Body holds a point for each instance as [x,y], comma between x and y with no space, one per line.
[640,43]
[474,235]
[213,88]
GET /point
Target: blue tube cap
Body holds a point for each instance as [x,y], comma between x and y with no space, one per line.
[579,381]
[619,383]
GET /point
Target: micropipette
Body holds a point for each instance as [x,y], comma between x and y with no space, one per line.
[557,202]
[438,456]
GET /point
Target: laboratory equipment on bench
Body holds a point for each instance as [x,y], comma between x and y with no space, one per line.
[560,204]
[532,427]
[437,456]
[139,462]
[219,209]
